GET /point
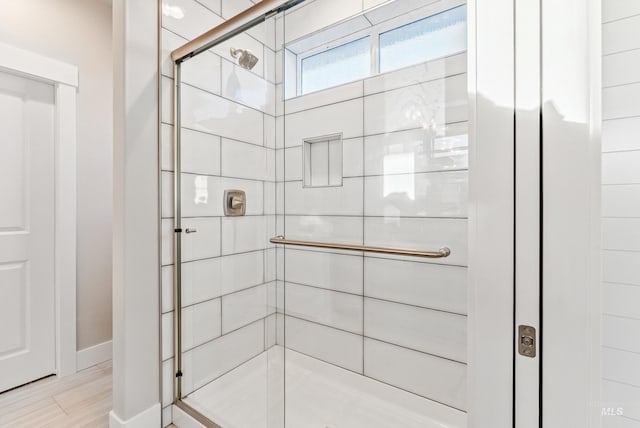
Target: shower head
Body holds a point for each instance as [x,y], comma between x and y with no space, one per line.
[246,59]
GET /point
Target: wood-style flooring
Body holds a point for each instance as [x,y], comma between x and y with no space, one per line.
[79,400]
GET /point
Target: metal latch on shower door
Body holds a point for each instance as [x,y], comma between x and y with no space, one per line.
[527,341]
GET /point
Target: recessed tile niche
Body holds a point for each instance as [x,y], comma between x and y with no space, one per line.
[322,161]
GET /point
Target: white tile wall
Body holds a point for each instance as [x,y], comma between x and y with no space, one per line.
[200,323]
[244,307]
[621,167]
[339,200]
[621,35]
[621,211]
[328,344]
[206,112]
[200,152]
[621,300]
[417,150]
[203,244]
[618,9]
[619,101]
[244,87]
[325,228]
[436,102]
[420,73]
[434,332]
[240,271]
[436,378]
[338,272]
[621,366]
[421,234]
[188,18]
[620,134]
[620,68]
[621,234]
[616,394]
[166,149]
[621,267]
[622,200]
[343,117]
[331,308]
[213,359]
[417,195]
[422,284]
[405,156]
[247,161]
[250,233]
[200,281]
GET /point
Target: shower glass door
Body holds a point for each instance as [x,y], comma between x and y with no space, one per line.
[231,370]
[332,124]
[374,153]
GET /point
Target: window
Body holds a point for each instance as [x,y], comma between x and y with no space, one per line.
[342,64]
[429,38]
[378,41]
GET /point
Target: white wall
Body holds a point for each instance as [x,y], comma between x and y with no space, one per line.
[79,32]
[136,276]
[621,212]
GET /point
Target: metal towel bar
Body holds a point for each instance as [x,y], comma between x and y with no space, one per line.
[442,252]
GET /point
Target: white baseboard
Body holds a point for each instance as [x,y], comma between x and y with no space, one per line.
[150,418]
[93,355]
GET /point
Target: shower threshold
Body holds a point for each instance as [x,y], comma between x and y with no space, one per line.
[318,395]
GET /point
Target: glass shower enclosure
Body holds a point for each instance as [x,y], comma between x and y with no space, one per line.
[321,201]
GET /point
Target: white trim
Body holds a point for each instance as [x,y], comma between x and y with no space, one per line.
[149,418]
[93,355]
[491,213]
[527,205]
[571,100]
[38,66]
[64,77]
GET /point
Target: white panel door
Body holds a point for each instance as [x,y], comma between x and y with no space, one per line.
[27,319]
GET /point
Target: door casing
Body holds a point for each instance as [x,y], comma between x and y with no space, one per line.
[64,78]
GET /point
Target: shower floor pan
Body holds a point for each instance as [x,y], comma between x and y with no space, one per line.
[318,395]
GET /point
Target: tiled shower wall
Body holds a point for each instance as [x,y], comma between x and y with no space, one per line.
[398,320]
[228,271]
[621,211]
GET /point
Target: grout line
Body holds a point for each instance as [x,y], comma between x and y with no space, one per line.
[620,52]
[621,383]
[362,336]
[373,378]
[610,119]
[623,18]
[620,85]
[621,317]
[620,184]
[606,152]
[364,296]
[626,351]
[605,283]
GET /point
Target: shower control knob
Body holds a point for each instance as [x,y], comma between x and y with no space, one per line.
[190,230]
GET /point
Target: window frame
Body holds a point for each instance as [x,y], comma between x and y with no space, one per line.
[374,33]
